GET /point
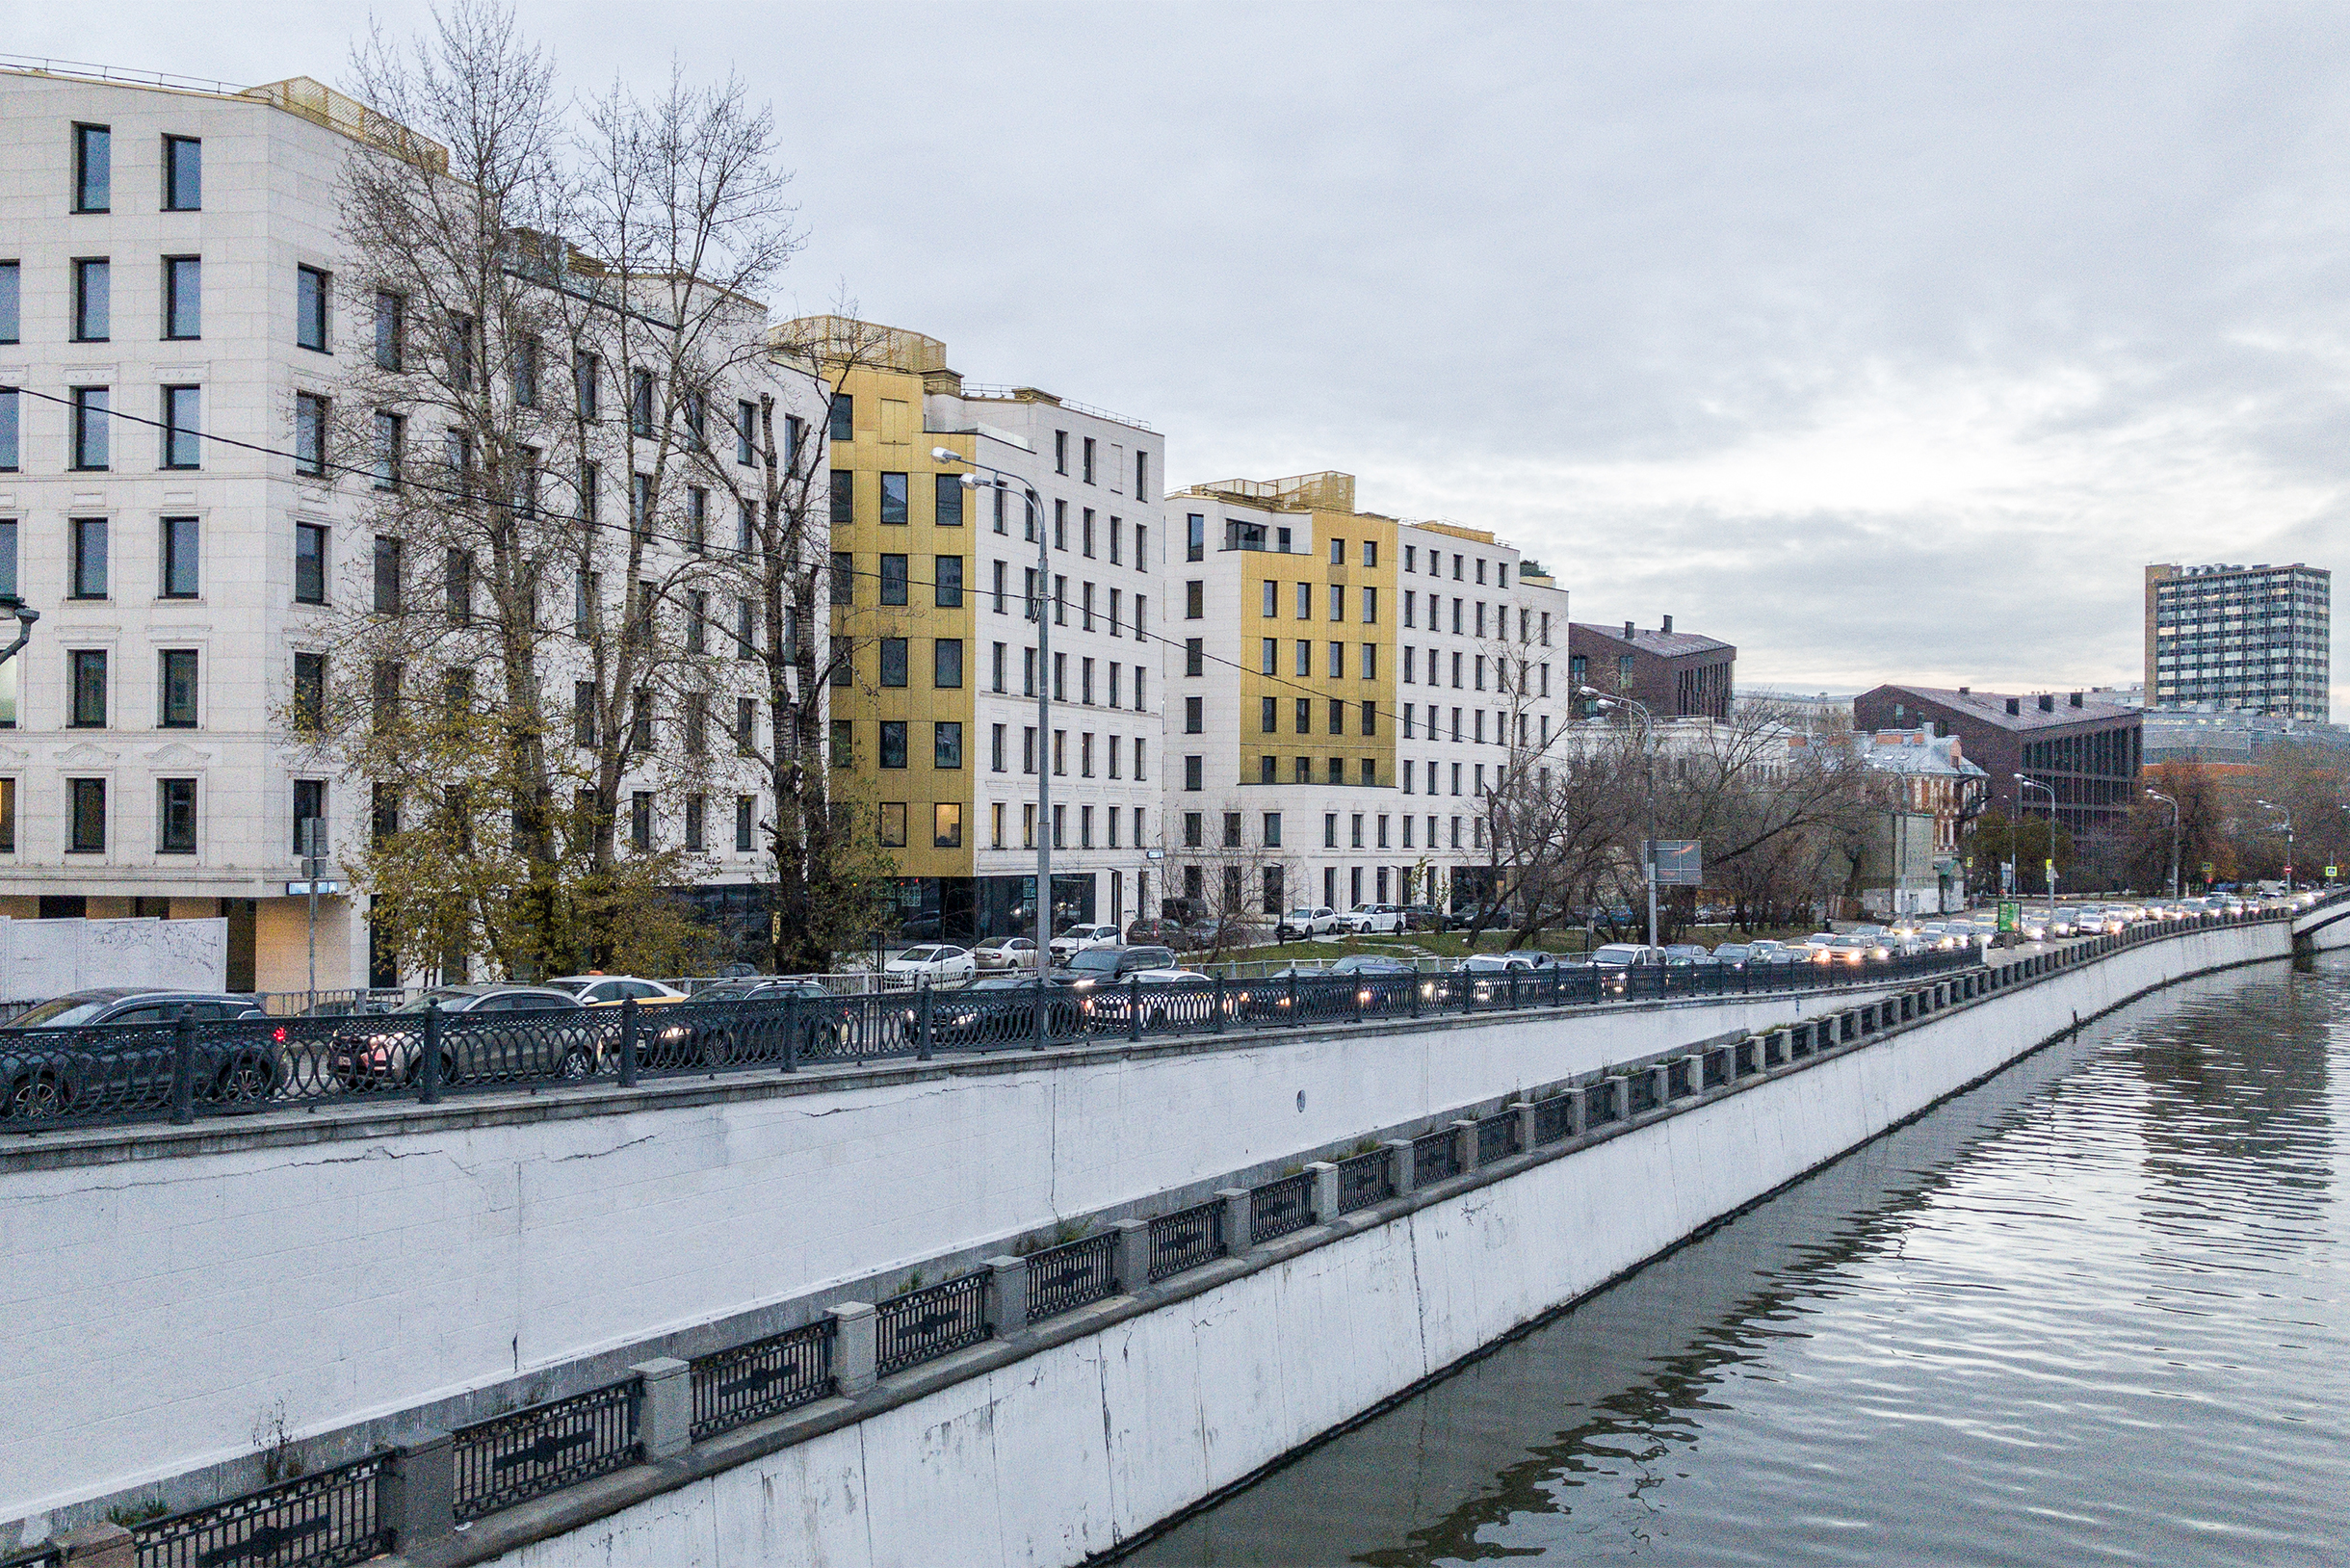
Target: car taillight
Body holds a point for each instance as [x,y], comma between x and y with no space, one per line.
[278,1035]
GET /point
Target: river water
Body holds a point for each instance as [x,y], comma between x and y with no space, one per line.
[2096,1310]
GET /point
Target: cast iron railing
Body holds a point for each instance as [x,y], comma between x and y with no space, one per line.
[1365,1179]
[543,1448]
[323,1520]
[766,1377]
[1072,1275]
[925,1325]
[1187,1238]
[1554,1118]
[1497,1138]
[1435,1157]
[1280,1206]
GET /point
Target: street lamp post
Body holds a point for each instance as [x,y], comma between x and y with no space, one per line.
[2288,838]
[2157,795]
[1044,690]
[2047,866]
[1648,789]
[25,615]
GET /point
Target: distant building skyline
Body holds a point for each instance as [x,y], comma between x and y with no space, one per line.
[2250,639]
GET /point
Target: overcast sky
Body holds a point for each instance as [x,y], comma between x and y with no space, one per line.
[1886,341]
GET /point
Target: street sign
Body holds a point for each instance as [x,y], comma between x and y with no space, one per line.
[1678,862]
[2334,874]
[302,890]
[1154,854]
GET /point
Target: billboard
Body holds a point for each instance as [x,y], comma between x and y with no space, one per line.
[1679,862]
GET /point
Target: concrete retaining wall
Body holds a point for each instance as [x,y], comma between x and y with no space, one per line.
[172,1298]
[1081,1446]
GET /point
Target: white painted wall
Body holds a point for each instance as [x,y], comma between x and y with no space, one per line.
[1079,1447]
[49,958]
[153,1307]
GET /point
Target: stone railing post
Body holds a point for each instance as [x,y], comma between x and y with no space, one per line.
[420,1491]
[1399,1166]
[854,1348]
[1134,1254]
[103,1545]
[1587,1102]
[1326,1191]
[1237,1220]
[1523,1110]
[1007,1295]
[1464,1146]
[664,1406]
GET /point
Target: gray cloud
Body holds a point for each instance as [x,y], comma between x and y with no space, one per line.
[1888,341]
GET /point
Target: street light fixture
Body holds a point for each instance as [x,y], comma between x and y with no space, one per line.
[25,615]
[2157,795]
[1005,480]
[2047,866]
[1603,701]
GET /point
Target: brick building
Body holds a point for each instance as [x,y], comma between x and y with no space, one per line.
[1677,675]
[2085,749]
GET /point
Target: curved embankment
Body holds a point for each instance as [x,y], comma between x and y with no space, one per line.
[1049,1446]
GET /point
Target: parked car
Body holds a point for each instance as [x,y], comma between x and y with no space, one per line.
[1319,920]
[1734,954]
[994,1009]
[1687,955]
[1371,963]
[1108,966]
[79,1051]
[1001,953]
[714,1037]
[1372,919]
[1111,1007]
[1164,934]
[1078,938]
[930,965]
[488,1030]
[1625,956]
[611,990]
[1424,917]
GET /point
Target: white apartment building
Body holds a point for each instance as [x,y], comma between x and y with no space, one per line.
[1349,687]
[169,259]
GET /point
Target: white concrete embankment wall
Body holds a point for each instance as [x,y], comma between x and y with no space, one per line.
[166,1294]
[1078,1447]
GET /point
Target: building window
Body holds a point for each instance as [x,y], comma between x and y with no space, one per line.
[12,302]
[947,500]
[309,435]
[8,455]
[745,809]
[947,825]
[175,815]
[1191,773]
[183,297]
[179,574]
[641,821]
[640,390]
[946,582]
[1061,452]
[696,810]
[94,168]
[89,540]
[840,424]
[310,308]
[1194,661]
[893,743]
[86,677]
[892,824]
[182,441]
[1089,474]
[87,797]
[387,574]
[309,692]
[893,661]
[893,498]
[92,447]
[946,663]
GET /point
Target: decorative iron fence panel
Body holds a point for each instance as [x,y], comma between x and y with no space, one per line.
[1278,1208]
[1187,1238]
[323,1520]
[511,1458]
[46,1556]
[1497,1138]
[766,1377]
[1640,1093]
[1435,1157]
[1073,1274]
[1554,1118]
[925,1325]
[1365,1179]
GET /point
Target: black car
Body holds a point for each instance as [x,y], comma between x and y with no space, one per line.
[488,1030]
[114,1046]
[1107,966]
[693,1034]
[994,1009]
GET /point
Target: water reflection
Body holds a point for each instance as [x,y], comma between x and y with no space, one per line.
[2096,1310]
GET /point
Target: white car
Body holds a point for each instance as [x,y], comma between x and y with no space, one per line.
[1369,919]
[1078,938]
[1319,921]
[611,990]
[933,964]
[1006,953]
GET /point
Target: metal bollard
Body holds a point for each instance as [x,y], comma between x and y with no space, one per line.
[183,1068]
[921,1023]
[1134,1006]
[432,1065]
[628,1042]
